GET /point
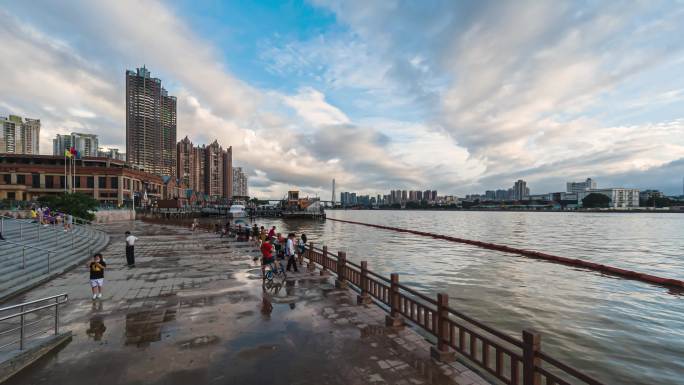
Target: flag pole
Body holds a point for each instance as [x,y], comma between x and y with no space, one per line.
[65,173]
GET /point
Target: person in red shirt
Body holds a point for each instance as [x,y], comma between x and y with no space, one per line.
[266,256]
[272,232]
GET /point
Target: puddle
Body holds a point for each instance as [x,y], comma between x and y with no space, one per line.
[198,342]
[144,327]
[260,351]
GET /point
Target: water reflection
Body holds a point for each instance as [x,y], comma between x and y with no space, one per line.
[96,328]
[618,330]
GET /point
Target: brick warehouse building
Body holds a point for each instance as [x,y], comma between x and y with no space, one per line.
[27,177]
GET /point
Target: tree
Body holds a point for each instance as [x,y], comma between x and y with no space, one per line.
[595,200]
[412,205]
[396,205]
[76,204]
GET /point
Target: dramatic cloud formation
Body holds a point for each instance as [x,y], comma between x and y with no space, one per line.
[381,95]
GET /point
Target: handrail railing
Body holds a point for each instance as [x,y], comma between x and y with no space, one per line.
[512,361]
[23,326]
[51,227]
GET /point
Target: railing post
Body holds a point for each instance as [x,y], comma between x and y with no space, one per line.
[21,232]
[441,352]
[48,262]
[394,319]
[23,257]
[364,298]
[56,315]
[341,282]
[21,329]
[531,346]
[312,265]
[39,233]
[324,270]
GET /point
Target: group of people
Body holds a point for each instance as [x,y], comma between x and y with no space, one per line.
[276,249]
[45,216]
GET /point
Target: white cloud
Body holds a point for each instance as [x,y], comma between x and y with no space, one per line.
[311,105]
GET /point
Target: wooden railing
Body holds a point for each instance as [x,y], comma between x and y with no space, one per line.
[509,360]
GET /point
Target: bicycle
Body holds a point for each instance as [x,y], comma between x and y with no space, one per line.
[275,270]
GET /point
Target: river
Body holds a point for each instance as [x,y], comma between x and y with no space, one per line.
[619,331]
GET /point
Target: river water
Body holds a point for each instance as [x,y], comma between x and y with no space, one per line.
[619,331]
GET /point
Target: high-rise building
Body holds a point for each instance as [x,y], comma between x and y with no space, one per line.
[240,183]
[404,195]
[205,169]
[433,195]
[185,160]
[520,190]
[427,194]
[577,187]
[213,175]
[150,124]
[19,135]
[111,153]
[85,144]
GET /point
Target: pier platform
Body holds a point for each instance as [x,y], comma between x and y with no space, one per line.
[194,311]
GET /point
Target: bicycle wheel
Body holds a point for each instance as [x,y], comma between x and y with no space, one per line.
[269,275]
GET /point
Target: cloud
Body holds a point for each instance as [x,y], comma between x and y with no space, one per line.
[523,84]
[453,96]
[310,104]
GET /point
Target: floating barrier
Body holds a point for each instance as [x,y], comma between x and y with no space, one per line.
[611,270]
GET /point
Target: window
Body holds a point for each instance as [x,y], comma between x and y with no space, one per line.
[11,196]
[49,181]
[61,182]
[7,178]
[78,182]
[102,182]
[115,182]
[90,182]
[21,179]
[35,180]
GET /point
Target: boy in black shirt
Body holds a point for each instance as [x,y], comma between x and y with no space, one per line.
[97,267]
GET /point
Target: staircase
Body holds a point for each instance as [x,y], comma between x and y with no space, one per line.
[33,253]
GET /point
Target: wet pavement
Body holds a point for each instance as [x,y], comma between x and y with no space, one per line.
[194,310]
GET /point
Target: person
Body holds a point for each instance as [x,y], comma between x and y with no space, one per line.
[290,252]
[97,267]
[69,222]
[195,224]
[34,215]
[255,234]
[301,248]
[262,234]
[130,253]
[272,232]
[266,256]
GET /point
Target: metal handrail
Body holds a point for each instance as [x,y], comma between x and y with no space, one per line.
[59,299]
[51,227]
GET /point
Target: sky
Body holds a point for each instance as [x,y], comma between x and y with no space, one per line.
[456,96]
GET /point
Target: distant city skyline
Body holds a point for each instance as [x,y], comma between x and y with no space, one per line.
[463,97]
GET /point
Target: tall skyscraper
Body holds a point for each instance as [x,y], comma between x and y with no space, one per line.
[520,190]
[85,144]
[150,124]
[185,159]
[240,188]
[19,135]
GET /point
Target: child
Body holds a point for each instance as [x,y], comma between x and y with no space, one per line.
[266,256]
[97,267]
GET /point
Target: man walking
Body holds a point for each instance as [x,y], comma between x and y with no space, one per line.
[290,252]
[130,242]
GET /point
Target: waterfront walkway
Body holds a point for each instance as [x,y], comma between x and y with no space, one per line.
[194,310]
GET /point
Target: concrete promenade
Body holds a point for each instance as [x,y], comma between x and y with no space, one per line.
[194,311]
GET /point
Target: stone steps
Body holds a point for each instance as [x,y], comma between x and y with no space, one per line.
[24,262]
